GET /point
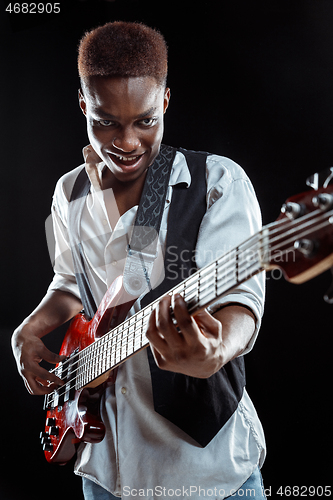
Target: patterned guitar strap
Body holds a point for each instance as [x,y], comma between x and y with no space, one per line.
[143,245]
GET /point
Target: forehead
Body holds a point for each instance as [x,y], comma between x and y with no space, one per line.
[122,93]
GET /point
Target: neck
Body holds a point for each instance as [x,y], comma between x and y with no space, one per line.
[127,194]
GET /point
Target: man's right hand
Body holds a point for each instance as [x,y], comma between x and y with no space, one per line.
[55,309]
[29,350]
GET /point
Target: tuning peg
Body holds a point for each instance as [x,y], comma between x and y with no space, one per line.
[305,246]
[320,179]
[292,210]
[328,297]
[324,201]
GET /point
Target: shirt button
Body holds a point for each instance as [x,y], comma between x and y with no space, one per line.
[104,222]
[114,263]
[123,390]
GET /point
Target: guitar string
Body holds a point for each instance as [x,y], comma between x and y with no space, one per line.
[307,228]
[121,347]
[118,340]
[212,276]
[276,227]
[192,278]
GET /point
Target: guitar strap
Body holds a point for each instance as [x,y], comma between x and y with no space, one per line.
[142,249]
[79,193]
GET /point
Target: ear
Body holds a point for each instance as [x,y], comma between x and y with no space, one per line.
[167,95]
[82,102]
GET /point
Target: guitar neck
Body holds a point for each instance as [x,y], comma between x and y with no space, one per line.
[199,291]
[264,250]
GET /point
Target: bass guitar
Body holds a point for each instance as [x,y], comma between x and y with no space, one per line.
[299,242]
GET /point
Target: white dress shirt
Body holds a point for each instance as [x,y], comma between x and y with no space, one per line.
[143,454]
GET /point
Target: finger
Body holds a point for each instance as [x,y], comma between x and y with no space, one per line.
[153,335]
[185,322]
[35,371]
[35,388]
[28,386]
[180,311]
[50,357]
[166,323]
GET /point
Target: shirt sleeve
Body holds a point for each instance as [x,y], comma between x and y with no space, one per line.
[232,216]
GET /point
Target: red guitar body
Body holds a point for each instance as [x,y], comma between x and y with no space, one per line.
[78,419]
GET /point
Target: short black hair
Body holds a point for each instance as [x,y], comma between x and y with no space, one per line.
[123,49]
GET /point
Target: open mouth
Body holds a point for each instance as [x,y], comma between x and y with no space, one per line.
[126,162]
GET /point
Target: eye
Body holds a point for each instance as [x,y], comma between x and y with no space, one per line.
[105,123]
[147,122]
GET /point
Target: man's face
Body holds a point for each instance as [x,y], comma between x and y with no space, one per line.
[125,122]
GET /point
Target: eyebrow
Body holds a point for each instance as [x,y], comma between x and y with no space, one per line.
[108,116]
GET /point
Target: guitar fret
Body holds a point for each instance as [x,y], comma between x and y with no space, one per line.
[123,345]
[97,367]
[90,365]
[108,352]
[104,351]
[245,274]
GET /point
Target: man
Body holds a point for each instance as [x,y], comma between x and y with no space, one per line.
[178,418]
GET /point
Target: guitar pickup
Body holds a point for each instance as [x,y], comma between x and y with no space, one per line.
[47,405]
[69,377]
[51,400]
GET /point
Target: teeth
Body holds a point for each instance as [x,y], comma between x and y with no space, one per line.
[127,158]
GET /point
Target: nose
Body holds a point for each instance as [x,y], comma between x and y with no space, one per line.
[126,141]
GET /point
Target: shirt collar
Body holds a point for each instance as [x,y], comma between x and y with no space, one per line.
[180,173]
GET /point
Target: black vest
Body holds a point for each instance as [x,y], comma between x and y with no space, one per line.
[200,407]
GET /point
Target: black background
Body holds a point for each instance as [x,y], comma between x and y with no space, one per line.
[249,80]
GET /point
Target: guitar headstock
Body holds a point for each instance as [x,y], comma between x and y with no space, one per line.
[301,240]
